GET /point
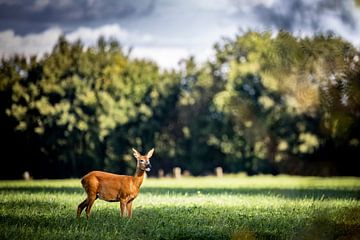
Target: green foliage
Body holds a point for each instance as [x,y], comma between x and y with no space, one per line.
[267,103]
[236,207]
[74,99]
[284,89]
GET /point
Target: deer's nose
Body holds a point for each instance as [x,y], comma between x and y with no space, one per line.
[149,165]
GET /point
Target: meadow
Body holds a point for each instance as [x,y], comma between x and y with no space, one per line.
[232,207]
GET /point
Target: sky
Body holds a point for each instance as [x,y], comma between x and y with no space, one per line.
[166,31]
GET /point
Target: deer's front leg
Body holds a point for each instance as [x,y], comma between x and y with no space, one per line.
[122,207]
[129,208]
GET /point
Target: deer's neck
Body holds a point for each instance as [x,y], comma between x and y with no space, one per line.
[139,177]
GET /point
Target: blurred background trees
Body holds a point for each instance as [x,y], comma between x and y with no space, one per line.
[266,103]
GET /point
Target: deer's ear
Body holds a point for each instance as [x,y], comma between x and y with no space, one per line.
[136,153]
[150,153]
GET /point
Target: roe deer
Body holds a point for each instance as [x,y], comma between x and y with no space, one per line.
[113,187]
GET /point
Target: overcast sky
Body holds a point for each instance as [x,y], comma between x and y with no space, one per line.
[166,30]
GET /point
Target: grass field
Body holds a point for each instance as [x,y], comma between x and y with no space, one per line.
[232,207]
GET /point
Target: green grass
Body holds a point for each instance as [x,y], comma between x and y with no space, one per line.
[236,207]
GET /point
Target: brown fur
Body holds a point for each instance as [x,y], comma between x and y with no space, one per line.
[113,187]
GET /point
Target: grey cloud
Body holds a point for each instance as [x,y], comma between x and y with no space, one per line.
[297,15]
[37,15]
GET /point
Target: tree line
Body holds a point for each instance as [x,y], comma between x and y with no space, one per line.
[265,103]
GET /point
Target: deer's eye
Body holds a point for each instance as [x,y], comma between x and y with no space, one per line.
[142,161]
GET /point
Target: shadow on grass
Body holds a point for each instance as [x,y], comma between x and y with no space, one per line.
[316,193]
[196,222]
[24,203]
[29,189]
[323,193]
[222,223]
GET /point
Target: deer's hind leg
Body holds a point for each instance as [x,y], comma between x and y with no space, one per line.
[81,207]
[90,201]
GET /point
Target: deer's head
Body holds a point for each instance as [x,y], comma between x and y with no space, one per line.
[143,161]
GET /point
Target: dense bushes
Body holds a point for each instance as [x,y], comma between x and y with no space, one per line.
[265,104]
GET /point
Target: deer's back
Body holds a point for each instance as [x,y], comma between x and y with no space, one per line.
[108,186]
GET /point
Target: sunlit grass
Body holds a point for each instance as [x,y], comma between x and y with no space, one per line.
[234,206]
